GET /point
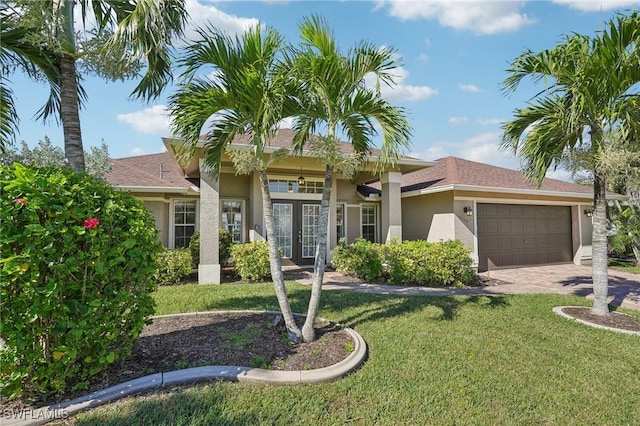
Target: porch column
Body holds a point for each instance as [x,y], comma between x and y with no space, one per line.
[209,267]
[391,207]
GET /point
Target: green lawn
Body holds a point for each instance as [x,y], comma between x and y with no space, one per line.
[624,267]
[432,360]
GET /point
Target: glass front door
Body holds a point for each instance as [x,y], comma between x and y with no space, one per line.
[296,230]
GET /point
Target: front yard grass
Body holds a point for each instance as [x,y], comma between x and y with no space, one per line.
[432,360]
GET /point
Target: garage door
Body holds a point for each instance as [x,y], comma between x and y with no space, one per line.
[519,235]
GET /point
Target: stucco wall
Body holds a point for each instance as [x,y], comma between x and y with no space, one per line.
[160,212]
[464,225]
[418,216]
[353,223]
[346,192]
[234,186]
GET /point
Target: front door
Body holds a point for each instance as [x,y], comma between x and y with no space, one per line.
[296,230]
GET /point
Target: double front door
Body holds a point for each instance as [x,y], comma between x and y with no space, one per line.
[296,230]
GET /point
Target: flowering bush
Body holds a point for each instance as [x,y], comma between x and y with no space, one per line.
[77,261]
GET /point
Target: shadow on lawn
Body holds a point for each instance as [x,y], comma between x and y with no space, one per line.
[368,307]
[178,406]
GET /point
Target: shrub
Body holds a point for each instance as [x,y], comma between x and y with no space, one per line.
[77,265]
[361,259]
[172,266]
[430,264]
[224,241]
[407,263]
[251,260]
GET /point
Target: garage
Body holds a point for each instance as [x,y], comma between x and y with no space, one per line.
[512,235]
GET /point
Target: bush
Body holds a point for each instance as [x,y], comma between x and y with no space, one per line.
[224,241]
[251,260]
[407,263]
[173,265]
[361,259]
[77,265]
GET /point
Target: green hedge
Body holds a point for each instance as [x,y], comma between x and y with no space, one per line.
[408,263]
[224,245]
[251,260]
[173,265]
[77,265]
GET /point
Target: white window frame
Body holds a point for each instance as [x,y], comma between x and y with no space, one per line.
[344,221]
[172,219]
[243,211]
[375,223]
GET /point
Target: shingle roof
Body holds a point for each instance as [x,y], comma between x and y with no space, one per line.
[153,170]
[456,171]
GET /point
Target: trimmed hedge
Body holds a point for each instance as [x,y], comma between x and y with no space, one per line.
[77,265]
[251,260]
[408,263]
[173,266]
[225,244]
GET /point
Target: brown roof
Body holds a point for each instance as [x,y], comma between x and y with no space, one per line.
[153,170]
[456,171]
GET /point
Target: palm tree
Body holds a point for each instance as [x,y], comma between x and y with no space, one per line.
[334,98]
[17,51]
[246,91]
[128,31]
[590,90]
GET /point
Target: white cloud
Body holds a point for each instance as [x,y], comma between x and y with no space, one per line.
[597,6]
[559,174]
[480,17]
[151,121]
[423,57]
[137,151]
[200,14]
[489,121]
[456,121]
[401,91]
[432,153]
[287,123]
[469,88]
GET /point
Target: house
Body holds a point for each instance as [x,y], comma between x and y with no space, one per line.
[502,218]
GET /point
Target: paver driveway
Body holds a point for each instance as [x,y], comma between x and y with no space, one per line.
[624,288]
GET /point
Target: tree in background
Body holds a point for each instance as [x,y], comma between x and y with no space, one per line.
[590,91]
[115,40]
[45,154]
[333,98]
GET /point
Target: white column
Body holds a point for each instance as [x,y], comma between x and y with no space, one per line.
[209,267]
[391,206]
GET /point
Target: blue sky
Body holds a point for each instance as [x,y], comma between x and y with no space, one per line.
[453,54]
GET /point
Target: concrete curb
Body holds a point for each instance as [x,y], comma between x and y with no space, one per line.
[558,310]
[151,382]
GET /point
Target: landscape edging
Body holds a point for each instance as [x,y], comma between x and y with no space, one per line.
[198,374]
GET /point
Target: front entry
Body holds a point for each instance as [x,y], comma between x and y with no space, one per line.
[296,230]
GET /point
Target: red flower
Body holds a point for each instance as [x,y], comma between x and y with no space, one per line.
[20,201]
[91,223]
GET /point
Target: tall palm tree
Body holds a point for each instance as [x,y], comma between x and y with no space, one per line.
[590,90]
[132,31]
[335,98]
[246,91]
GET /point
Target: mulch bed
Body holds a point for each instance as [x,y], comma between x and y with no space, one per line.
[229,338]
[613,319]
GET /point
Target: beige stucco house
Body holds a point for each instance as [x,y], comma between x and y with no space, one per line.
[502,218]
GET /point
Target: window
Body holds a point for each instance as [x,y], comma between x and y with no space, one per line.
[184,222]
[368,214]
[232,219]
[340,221]
[292,186]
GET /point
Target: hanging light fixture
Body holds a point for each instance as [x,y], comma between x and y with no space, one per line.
[301,178]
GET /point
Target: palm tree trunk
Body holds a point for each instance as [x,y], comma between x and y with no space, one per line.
[276,264]
[308,332]
[599,246]
[69,113]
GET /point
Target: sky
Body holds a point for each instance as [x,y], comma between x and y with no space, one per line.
[453,58]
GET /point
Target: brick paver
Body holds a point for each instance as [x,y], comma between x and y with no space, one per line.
[624,288]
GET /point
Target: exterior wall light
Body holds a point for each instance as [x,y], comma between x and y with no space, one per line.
[588,212]
[468,211]
[301,178]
